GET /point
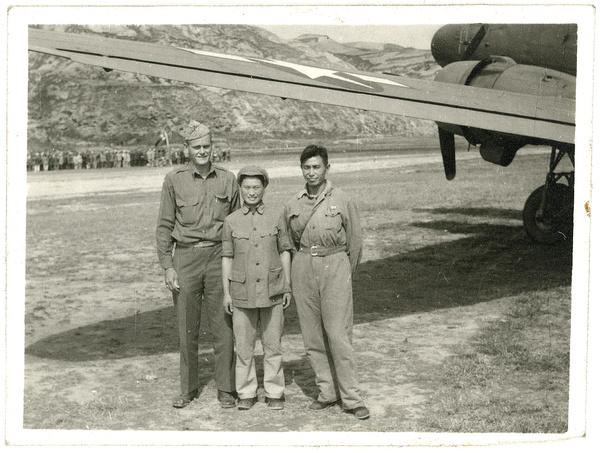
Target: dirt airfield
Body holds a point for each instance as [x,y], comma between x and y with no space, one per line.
[441,260]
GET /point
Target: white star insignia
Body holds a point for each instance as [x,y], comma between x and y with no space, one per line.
[314,73]
[309,71]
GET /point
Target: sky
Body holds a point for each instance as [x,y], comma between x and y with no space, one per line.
[418,36]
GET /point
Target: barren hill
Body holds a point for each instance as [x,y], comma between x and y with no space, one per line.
[76,105]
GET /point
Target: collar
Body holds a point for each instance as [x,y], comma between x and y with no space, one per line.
[260,208]
[194,172]
[328,187]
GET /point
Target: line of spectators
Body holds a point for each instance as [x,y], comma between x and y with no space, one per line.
[115,158]
[107,158]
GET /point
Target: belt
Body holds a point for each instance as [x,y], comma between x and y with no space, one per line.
[197,244]
[317,250]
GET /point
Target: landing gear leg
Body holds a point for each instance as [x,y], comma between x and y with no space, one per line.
[548,212]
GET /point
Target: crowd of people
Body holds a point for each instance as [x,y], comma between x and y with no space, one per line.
[113,158]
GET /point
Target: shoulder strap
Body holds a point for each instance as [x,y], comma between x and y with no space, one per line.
[315,208]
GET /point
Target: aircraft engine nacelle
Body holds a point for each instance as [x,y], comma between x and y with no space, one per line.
[498,73]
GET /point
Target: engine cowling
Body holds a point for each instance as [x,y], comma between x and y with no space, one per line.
[502,73]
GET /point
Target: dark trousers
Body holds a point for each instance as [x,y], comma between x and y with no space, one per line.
[199,273]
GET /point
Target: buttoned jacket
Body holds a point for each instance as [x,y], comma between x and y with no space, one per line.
[253,240]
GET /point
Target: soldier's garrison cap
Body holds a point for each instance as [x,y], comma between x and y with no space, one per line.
[195,130]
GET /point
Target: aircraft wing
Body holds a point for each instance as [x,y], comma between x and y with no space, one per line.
[543,117]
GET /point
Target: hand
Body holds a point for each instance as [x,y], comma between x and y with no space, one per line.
[228,304]
[171,280]
[287,300]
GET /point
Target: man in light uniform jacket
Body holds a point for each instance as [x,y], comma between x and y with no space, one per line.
[256,283]
[323,224]
[194,202]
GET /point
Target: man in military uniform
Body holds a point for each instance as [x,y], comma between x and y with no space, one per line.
[256,282]
[322,223]
[194,202]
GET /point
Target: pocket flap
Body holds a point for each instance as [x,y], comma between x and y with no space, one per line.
[186,200]
[295,212]
[223,198]
[237,276]
[240,234]
[332,211]
[269,232]
[221,193]
[276,272]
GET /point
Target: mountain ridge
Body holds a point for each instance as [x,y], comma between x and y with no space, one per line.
[76,105]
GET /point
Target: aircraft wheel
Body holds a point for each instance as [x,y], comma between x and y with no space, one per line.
[559,225]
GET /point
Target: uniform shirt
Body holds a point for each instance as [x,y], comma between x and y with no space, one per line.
[335,222]
[193,208]
[252,239]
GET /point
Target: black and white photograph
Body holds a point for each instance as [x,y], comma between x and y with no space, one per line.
[300,225]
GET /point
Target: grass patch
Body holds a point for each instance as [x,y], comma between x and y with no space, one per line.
[109,405]
[515,378]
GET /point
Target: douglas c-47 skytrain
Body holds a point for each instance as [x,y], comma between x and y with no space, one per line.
[502,86]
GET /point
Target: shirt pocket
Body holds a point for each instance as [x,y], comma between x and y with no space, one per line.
[293,214]
[187,208]
[293,224]
[222,203]
[270,232]
[240,234]
[333,218]
[269,245]
[237,286]
[276,282]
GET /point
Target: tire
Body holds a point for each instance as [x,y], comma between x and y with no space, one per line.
[559,228]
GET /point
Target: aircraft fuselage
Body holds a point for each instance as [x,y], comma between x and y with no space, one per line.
[552,46]
[519,58]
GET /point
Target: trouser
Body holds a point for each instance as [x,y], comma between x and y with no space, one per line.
[246,322]
[199,273]
[322,288]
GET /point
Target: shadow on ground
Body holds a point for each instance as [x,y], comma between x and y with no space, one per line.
[486,212]
[494,260]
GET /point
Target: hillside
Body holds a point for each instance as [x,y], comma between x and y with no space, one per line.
[76,105]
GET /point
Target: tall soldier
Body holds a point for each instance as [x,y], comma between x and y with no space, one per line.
[322,223]
[194,202]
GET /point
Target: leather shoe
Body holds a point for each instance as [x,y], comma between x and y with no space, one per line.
[361,412]
[246,403]
[275,404]
[319,405]
[226,399]
[184,399]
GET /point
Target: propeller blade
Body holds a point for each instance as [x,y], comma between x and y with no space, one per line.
[448,148]
[474,44]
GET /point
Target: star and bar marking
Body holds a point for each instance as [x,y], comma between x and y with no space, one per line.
[307,71]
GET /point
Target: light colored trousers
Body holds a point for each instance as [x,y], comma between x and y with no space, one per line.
[246,323]
[322,288]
